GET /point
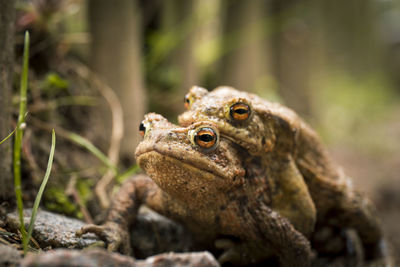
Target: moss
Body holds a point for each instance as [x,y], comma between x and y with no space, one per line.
[58,201]
[84,187]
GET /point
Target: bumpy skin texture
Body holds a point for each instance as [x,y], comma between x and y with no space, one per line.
[275,133]
[222,197]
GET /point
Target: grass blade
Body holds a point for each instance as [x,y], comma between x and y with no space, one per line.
[2,141]
[128,173]
[93,149]
[41,190]
[80,141]
[19,134]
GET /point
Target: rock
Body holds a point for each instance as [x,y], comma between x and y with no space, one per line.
[197,259]
[10,256]
[54,230]
[98,257]
[153,234]
[84,258]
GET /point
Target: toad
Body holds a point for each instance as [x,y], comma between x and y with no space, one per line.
[222,195]
[275,133]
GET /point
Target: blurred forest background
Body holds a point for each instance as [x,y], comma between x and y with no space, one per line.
[97,66]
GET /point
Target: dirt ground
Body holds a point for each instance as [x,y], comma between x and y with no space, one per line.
[379,178]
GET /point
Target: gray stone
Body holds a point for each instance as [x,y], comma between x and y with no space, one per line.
[54,230]
[99,257]
[153,234]
[81,258]
[10,256]
[197,259]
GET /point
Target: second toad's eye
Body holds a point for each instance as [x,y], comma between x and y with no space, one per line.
[239,111]
[142,129]
[186,100]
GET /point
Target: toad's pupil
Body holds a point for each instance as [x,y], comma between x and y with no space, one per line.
[141,127]
[241,111]
[206,137]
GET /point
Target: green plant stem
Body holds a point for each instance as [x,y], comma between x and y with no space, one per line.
[19,134]
[41,190]
[93,149]
[2,141]
[79,140]
[128,173]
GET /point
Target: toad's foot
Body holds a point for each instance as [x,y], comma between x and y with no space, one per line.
[115,236]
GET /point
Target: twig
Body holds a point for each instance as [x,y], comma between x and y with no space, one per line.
[33,240]
[63,101]
[116,131]
[37,174]
[71,191]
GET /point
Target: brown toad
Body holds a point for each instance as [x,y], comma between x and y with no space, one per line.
[275,133]
[224,199]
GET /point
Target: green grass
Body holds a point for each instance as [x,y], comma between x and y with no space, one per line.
[40,193]
[128,173]
[19,134]
[26,235]
[92,149]
[17,153]
[5,139]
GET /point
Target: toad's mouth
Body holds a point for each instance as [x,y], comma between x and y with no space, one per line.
[157,159]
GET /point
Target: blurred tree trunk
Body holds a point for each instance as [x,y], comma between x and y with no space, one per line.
[116,56]
[350,47]
[7,14]
[351,35]
[178,19]
[292,49]
[246,63]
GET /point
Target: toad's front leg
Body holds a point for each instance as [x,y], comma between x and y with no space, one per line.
[122,213]
[291,246]
[263,233]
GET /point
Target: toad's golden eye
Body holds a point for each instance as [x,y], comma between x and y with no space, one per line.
[142,129]
[186,99]
[239,111]
[206,137]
